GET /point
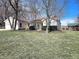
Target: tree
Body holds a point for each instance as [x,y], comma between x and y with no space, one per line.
[10,12]
[15,5]
[13,8]
[52,7]
[2,9]
[33,9]
[47,6]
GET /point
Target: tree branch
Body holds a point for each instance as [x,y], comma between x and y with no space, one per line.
[12,5]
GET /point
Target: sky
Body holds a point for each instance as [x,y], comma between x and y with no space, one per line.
[71,13]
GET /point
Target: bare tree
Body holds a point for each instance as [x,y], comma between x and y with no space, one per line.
[15,5]
[34,9]
[52,7]
[13,8]
[5,15]
[47,5]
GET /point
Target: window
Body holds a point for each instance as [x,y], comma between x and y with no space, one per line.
[20,24]
[2,25]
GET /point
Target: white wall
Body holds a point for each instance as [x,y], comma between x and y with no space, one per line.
[7,24]
[52,23]
[44,23]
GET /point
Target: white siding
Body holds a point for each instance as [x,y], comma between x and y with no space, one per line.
[44,23]
[53,23]
[7,24]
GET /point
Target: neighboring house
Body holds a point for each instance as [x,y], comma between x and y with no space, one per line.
[41,24]
[54,24]
[73,26]
[31,25]
[21,24]
[38,24]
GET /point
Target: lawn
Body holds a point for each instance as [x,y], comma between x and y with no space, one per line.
[38,45]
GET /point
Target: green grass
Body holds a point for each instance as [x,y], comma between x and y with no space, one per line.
[36,45]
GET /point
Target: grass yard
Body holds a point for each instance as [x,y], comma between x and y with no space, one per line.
[36,45]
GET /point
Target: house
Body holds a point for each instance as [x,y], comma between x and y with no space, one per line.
[2,24]
[21,24]
[54,23]
[41,24]
[32,25]
[73,26]
[36,25]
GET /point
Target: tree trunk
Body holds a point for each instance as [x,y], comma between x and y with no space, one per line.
[59,25]
[16,12]
[48,22]
[16,21]
[10,23]
[47,28]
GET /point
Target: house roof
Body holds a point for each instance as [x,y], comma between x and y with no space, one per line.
[54,18]
[73,24]
[38,21]
[44,19]
[24,21]
[20,20]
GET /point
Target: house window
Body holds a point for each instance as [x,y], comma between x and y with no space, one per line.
[2,25]
[20,24]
